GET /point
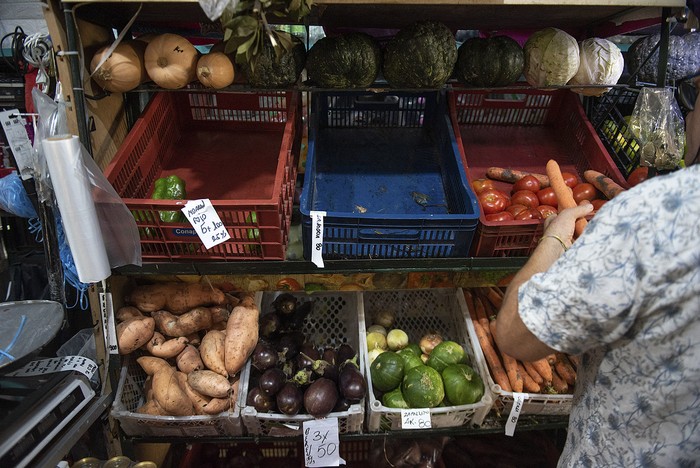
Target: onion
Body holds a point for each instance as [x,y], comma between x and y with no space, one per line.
[385,318]
[429,341]
[376,340]
[373,353]
[377,328]
[396,339]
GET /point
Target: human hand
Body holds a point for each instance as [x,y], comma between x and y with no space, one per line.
[562,225]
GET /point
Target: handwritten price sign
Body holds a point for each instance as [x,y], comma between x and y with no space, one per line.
[416,419]
[206,222]
[317,237]
[321,443]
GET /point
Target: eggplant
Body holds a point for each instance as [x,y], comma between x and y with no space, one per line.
[264,357]
[296,320]
[289,344]
[342,404]
[261,402]
[289,368]
[289,399]
[351,382]
[270,325]
[306,357]
[285,304]
[345,353]
[325,369]
[303,377]
[272,381]
[329,355]
[320,398]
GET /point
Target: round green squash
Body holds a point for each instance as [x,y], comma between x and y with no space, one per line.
[486,63]
[412,348]
[410,360]
[394,399]
[463,386]
[351,60]
[387,371]
[422,387]
[444,354]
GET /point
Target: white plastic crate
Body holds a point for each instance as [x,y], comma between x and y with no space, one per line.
[536,403]
[417,312]
[332,322]
[130,396]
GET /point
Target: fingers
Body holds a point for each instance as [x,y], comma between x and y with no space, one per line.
[562,225]
[580,211]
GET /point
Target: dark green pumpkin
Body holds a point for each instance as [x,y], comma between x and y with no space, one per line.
[445,353]
[394,399]
[387,371]
[422,387]
[486,63]
[463,386]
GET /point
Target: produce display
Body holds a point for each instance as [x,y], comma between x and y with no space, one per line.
[601,63]
[683,57]
[290,374]
[271,71]
[421,55]
[551,58]
[171,61]
[352,60]
[495,61]
[123,70]
[193,340]
[554,374]
[215,70]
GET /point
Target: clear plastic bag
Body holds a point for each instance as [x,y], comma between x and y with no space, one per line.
[657,123]
[214,8]
[13,197]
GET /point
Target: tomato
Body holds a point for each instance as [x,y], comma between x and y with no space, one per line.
[498,217]
[525,197]
[570,179]
[584,191]
[638,176]
[529,182]
[530,213]
[546,210]
[479,185]
[546,196]
[493,201]
[514,209]
[597,203]
[288,284]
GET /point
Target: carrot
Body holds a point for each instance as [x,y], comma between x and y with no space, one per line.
[559,384]
[575,360]
[564,369]
[495,297]
[469,299]
[497,372]
[513,175]
[605,184]
[565,197]
[514,377]
[543,368]
[483,319]
[532,372]
[529,383]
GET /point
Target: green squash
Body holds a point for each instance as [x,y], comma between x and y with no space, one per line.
[422,387]
[410,360]
[412,348]
[387,371]
[496,61]
[352,60]
[683,57]
[463,386]
[394,399]
[444,354]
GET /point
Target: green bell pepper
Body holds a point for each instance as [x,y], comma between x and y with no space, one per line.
[170,188]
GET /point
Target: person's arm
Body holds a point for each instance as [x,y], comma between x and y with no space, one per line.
[512,336]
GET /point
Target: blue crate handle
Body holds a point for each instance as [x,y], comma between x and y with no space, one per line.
[376,102]
[374,234]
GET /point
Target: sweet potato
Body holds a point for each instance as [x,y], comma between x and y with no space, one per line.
[241,334]
[209,383]
[199,318]
[212,351]
[217,405]
[134,333]
[160,347]
[189,360]
[151,408]
[176,298]
[151,364]
[170,395]
[199,401]
[127,312]
[194,339]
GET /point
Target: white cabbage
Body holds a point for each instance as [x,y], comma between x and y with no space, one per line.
[551,58]
[601,64]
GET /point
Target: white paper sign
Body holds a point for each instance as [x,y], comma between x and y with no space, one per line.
[416,418]
[108,327]
[18,140]
[321,443]
[206,222]
[81,364]
[317,237]
[518,400]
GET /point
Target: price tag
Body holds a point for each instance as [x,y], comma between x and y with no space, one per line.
[416,418]
[81,364]
[321,443]
[206,222]
[109,329]
[518,400]
[19,142]
[317,237]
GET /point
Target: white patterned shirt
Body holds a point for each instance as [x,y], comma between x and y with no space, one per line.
[627,296]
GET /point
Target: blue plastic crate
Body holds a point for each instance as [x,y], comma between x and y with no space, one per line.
[386,169]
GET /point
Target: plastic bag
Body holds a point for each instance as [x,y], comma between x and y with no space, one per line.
[405,453]
[13,197]
[657,123]
[214,8]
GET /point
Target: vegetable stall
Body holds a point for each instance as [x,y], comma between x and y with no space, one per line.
[241,344]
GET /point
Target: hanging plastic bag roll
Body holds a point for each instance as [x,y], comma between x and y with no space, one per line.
[72,188]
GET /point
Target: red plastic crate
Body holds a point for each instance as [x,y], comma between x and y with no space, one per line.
[238,150]
[522,128]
